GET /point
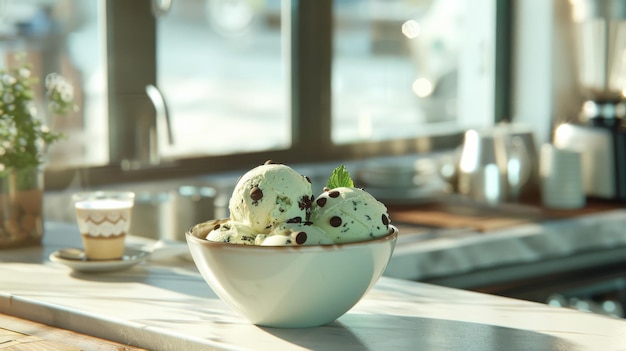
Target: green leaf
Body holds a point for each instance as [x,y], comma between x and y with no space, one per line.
[340,178]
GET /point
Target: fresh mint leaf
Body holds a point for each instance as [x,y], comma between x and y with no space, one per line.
[340,178]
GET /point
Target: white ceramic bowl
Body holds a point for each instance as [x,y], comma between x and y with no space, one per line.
[290,286]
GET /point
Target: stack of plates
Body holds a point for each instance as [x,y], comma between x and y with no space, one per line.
[396,181]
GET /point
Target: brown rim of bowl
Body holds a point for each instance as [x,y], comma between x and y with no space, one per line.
[393,233]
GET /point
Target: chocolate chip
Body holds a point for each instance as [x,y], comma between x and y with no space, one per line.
[256,193]
[307,179]
[335,221]
[385,219]
[300,237]
[325,189]
[305,202]
[333,194]
[216,227]
[321,202]
[294,220]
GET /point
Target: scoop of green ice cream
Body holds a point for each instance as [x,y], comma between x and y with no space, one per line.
[269,195]
[350,214]
[295,234]
[232,232]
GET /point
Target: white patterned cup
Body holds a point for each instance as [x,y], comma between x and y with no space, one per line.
[103,219]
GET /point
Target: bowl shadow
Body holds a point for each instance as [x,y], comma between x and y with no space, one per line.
[392,332]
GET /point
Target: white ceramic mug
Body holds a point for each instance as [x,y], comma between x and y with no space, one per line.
[561,178]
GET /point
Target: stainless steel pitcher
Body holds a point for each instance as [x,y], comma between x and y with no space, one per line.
[494,165]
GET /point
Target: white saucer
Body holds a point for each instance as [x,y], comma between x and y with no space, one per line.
[80,264]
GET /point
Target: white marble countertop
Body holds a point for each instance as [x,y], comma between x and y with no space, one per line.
[164,304]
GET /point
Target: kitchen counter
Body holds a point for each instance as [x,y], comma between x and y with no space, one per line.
[164,304]
[525,246]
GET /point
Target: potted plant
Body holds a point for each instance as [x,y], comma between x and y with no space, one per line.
[24,138]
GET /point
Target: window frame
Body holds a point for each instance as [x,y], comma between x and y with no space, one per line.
[311,35]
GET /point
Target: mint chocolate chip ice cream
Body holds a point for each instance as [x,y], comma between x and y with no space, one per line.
[233,232]
[272,205]
[269,195]
[350,214]
[298,234]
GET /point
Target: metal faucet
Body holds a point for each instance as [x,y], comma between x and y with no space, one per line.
[150,128]
[162,121]
[138,114]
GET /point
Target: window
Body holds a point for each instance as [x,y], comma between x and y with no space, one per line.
[246,80]
[223,67]
[395,68]
[63,37]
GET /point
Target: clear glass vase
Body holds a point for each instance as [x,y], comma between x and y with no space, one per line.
[21,200]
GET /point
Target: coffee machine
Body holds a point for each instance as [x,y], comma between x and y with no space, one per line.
[600,131]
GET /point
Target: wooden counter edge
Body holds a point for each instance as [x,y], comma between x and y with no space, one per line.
[18,334]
